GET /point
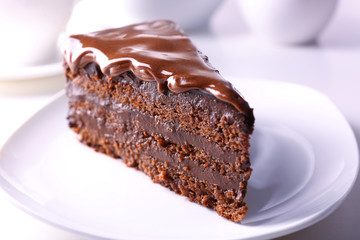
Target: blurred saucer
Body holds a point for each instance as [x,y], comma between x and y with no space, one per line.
[31,72]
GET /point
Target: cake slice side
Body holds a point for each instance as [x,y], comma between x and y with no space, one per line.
[190,142]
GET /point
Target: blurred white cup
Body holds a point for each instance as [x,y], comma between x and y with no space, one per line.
[288,21]
[189,14]
[29,30]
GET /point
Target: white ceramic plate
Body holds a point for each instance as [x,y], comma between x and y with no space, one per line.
[304,156]
[25,73]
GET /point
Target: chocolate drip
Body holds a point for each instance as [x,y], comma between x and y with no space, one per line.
[153,51]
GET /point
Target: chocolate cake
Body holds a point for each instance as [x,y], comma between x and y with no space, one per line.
[144,94]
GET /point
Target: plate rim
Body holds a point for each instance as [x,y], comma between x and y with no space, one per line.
[33,72]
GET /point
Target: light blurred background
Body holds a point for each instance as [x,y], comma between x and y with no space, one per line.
[309,42]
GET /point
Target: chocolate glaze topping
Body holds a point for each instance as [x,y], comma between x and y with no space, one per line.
[154,51]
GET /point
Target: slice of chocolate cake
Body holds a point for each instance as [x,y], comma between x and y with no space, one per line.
[145,94]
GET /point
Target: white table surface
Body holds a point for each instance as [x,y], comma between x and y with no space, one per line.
[330,66]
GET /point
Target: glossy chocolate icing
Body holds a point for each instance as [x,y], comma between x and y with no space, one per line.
[154,51]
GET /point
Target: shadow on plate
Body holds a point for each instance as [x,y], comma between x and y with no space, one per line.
[283,163]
